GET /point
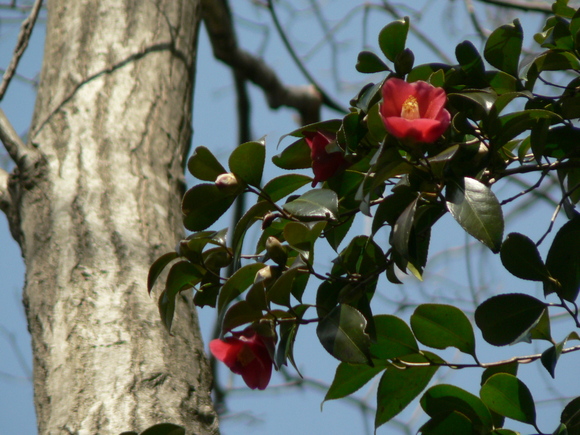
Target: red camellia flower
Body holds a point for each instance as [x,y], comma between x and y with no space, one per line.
[324,163]
[414,111]
[246,353]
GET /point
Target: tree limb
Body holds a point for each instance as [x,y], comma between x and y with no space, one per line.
[23,155]
[522,5]
[21,44]
[218,22]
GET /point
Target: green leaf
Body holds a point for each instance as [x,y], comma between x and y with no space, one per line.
[302,236]
[571,416]
[204,166]
[349,378]
[237,284]
[453,423]
[342,334]
[369,62]
[247,162]
[510,397]
[510,368]
[280,292]
[255,213]
[551,356]
[157,267]
[164,429]
[470,61]
[294,156]
[402,229]
[203,205]
[315,204]
[239,314]
[504,46]
[442,326]
[441,400]
[166,307]
[392,38]
[393,338]
[563,261]
[520,256]
[507,319]
[477,210]
[279,187]
[398,388]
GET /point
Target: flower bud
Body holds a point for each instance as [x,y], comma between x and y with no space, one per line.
[276,251]
[229,184]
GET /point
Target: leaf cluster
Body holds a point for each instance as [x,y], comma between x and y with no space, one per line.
[501,126]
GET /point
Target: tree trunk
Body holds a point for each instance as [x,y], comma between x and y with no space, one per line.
[112,127]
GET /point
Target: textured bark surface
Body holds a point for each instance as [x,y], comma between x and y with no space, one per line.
[112,124]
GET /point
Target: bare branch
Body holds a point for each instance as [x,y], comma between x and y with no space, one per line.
[218,22]
[21,44]
[5,198]
[522,5]
[20,153]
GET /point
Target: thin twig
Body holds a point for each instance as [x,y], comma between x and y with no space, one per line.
[326,99]
[21,44]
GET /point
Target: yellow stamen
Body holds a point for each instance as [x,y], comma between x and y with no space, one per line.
[410,108]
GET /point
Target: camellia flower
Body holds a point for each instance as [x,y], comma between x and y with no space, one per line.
[414,111]
[246,353]
[324,163]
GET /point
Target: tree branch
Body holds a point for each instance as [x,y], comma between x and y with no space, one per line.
[21,44]
[218,22]
[522,5]
[23,155]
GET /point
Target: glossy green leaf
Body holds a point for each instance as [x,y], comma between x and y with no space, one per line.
[424,71]
[393,338]
[453,423]
[510,397]
[369,62]
[288,331]
[563,261]
[542,329]
[239,314]
[508,318]
[571,416]
[203,205]
[398,388]
[247,162]
[475,104]
[157,267]
[551,356]
[281,290]
[442,326]
[166,306]
[349,378]
[520,256]
[443,399]
[302,236]
[315,204]
[294,156]
[470,61]
[255,213]
[237,284]
[392,38]
[164,429]
[501,82]
[504,46]
[182,276]
[279,187]
[477,210]
[204,166]
[342,334]
[404,62]
[402,229]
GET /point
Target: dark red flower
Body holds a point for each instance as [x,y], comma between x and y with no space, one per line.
[414,111]
[246,353]
[325,163]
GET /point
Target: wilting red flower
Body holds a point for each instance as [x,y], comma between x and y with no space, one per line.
[324,163]
[414,110]
[246,353]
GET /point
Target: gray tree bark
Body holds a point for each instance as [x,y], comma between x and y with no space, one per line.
[95,199]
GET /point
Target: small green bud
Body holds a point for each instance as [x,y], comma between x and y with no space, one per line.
[276,251]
